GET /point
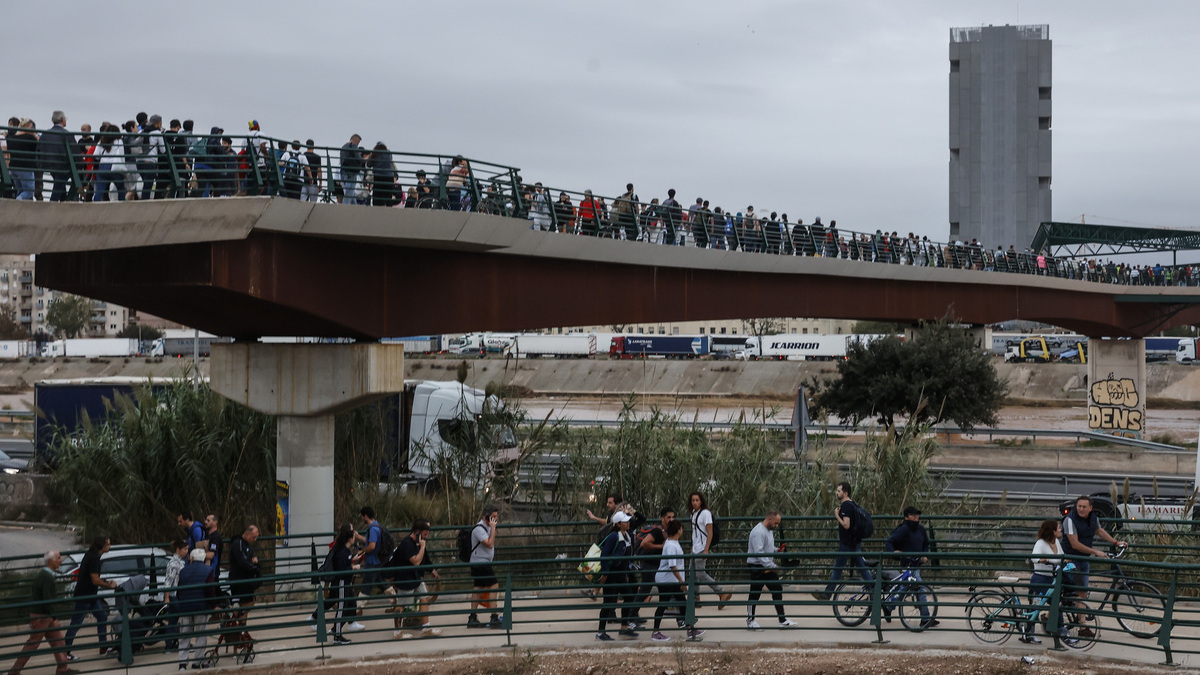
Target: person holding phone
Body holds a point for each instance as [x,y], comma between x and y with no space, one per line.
[483,551]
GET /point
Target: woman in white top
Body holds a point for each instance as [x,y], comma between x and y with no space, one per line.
[1047,554]
[110,160]
[672,584]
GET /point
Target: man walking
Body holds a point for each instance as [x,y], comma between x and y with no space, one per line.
[483,552]
[372,574]
[43,617]
[351,166]
[87,585]
[193,607]
[213,545]
[672,213]
[410,561]
[760,558]
[910,539]
[244,572]
[57,149]
[848,541]
[615,579]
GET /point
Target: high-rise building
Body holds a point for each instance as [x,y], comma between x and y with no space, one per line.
[999,133]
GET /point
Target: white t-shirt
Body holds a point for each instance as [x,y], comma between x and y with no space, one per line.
[700,523]
[665,576]
[1043,550]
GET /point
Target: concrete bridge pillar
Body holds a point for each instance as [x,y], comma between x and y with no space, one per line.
[1117,387]
[305,385]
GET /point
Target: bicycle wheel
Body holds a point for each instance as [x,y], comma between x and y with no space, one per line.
[1083,627]
[991,617]
[1140,615]
[910,607]
[851,604]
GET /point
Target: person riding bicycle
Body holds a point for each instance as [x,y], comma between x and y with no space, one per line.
[1081,526]
[907,539]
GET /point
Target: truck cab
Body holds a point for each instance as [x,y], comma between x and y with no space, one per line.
[454,430]
[1028,350]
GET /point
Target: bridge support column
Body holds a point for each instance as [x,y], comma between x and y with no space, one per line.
[305,385]
[1117,387]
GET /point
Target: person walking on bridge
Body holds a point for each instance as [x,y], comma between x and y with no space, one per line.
[760,558]
[43,617]
[849,545]
[703,528]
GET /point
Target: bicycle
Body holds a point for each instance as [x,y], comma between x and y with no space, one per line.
[901,591]
[1139,605]
[994,614]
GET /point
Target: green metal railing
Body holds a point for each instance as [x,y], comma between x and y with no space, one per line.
[541,595]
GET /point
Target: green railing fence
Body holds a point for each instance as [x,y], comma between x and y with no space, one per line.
[542,592]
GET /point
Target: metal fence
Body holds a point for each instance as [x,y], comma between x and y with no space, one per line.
[61,167]
[976,584]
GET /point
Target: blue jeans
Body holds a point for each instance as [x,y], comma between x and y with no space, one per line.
[841,562]
[97,609]
[25,184]
[104,178]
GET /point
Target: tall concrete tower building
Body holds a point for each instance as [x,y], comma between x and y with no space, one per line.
[999,133]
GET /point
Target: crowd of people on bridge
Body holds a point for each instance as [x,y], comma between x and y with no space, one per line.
[143,159]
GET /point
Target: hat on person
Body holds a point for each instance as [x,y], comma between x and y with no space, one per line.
[911,511]
[253,125]
[620,517]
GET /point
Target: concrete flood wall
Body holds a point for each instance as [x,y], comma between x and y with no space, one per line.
[1167,385]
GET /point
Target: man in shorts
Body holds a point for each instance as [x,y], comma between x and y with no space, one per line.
[483,551]
[410,561]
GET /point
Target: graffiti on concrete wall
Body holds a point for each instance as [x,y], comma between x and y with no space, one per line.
[1114,407]
[16,489]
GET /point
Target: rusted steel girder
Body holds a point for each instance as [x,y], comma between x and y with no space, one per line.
[282,284]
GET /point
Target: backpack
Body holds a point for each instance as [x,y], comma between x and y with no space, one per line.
[643,532]
[136,145]
[199,147]
[862,527]
[716,533]
[386,546]
[464,543]
[291,167]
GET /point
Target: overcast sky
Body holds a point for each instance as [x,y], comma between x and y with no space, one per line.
[830,108]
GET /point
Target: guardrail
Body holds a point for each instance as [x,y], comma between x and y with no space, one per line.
[975,596]
[990,432]
[222,165]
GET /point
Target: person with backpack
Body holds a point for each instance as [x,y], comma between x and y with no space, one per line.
[908,541]
[481,555]
[378,546]
[705,535]
[854,525]
[616,581]
[648,542]
[410,561]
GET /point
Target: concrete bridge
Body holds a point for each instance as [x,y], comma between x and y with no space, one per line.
[248,267]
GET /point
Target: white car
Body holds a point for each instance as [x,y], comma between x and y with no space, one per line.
[120,564]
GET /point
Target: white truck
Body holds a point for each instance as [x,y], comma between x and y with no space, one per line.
[14,349]
[480,343]
[573,346]
[1186,351]
[440,422]
[90,348]
[797,347]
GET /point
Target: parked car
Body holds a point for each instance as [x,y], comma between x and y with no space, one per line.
[120,564]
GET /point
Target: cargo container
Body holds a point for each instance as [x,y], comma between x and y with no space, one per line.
[669,346]
[573,346]
[418,344]
[91,347]
[14,349]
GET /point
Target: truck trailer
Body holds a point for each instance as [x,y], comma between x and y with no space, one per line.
[14,349]
[572,346]
[90,348]
[667,346]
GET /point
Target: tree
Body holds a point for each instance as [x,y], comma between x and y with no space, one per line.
[69,315]
[137,331]
[941,374]
[10,328]
[876,328]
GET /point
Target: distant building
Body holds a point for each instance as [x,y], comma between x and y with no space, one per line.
[999,133]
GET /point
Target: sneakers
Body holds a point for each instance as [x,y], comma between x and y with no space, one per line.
[1086,632]
[751,624]
[474,622]
[430,631]
[604,637]
[694,634]
[628,633]
[680,623]
[401,635]
[724,598]
[355,626]
[496,622]
[788,623]
[658,636]
[341,640]
[823,597]
[930,623]
[1030,639]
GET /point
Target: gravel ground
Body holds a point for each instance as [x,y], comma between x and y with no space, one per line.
[693,659]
